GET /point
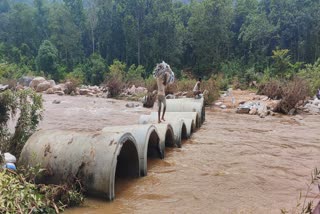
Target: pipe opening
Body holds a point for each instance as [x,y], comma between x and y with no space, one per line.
[169,142]
[128,161]
[153,146]
[197,122]
[203,114]
[192,126]
[184,135]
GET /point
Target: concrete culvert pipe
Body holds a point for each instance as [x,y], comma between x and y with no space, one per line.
[178,126]
[194,116]
[171,118]
[148,141]
[203,113]
[166,134]
[96,158]
[187,105]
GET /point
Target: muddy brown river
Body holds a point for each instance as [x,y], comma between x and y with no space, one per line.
[232,164]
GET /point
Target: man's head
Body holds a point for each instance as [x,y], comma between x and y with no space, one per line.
[200,79]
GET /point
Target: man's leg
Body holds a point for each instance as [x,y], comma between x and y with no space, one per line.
[164,108]
[159,109]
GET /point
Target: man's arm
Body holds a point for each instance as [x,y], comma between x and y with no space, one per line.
[165,79]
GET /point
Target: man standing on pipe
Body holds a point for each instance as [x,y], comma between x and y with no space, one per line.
[164,76]
[161,83]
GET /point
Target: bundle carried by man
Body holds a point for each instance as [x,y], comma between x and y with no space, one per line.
[162,69]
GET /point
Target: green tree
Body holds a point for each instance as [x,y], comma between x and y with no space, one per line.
[47,59]
[95,69]
[259,35]
[209,27]
[41,20]
[65,35]
[135,74]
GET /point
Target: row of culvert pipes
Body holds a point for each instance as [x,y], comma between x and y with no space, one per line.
[97,158]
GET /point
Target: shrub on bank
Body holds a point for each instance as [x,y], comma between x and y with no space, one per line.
[293,91]
[151,83]
[289,91]
[186,84]
[21,195]
[311,74]
[273,89]
[135,75]
[29,104]
[212,87]
[115,80]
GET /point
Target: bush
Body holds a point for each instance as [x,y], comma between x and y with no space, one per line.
[29,105]
[185,84]
[20,195]
[272,89]
[115,78]
[223,82]
[151,83]
[13,71]
[47,59]
[289,91]
[293,91]
[135,75]
[311,74]
[171,88]
[231,68]
[74,80]
[115,86]
[212,87]
[95,70]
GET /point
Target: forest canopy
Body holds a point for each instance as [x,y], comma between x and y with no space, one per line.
[57,38]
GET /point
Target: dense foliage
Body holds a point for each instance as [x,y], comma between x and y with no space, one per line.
[27,106]
[83,37]
[19,193]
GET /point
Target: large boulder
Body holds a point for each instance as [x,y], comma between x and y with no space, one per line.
[25,81]
[60,93]
[244,109]
[84,91]
[36,81]
[52,83]
[43,86]
[274,105]
[131,90]
[262,111]
[59,87]
[141,90]
[50,91]
[253,111]
[312,108]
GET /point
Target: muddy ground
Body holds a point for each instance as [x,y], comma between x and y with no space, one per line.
[233,164]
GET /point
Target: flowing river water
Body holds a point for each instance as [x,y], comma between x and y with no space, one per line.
[232,164]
